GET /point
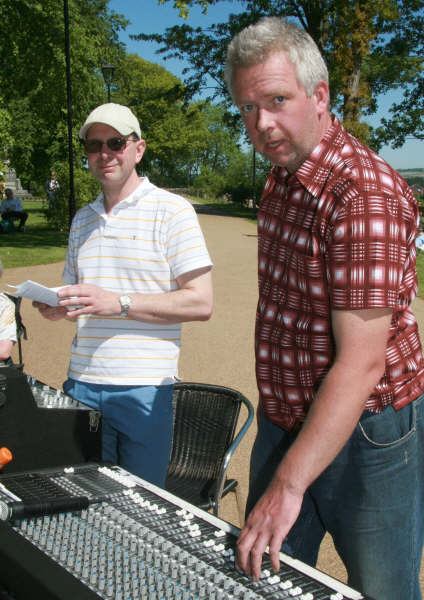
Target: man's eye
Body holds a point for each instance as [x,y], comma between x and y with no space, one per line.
[246,108]
[279,99]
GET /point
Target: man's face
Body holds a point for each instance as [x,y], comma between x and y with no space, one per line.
[109,167]
[283,123]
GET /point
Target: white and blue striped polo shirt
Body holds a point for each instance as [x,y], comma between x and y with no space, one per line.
[142,246]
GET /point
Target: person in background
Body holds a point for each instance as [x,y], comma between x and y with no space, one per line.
[339,363]
[11,208]
[7,327]
[137,267]
[52,188]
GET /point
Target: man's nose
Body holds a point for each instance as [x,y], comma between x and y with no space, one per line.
[264,119]
[105,150]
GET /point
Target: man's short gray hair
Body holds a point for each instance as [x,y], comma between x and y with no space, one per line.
[254,44]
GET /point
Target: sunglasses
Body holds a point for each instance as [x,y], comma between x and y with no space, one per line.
[114,143]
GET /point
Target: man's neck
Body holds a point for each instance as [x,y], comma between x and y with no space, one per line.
[114,194]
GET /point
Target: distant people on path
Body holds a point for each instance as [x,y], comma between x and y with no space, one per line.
[11,208]
[137,267]
[52,188]
[339,362]
[7,327]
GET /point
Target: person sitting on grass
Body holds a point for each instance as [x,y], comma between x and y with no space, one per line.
[11,208]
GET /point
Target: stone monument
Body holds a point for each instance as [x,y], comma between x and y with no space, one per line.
[14,183]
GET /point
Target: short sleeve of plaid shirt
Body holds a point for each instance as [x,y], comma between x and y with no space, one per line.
[371,254]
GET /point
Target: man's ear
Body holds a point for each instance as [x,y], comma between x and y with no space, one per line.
[322,97]
[141,147]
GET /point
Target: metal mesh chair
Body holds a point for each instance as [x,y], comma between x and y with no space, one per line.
[205,420]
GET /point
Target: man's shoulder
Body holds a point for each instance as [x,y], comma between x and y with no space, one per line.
[166,200]
[350,162]
[84,214]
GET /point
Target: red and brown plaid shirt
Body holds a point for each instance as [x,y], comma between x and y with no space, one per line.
[337,235]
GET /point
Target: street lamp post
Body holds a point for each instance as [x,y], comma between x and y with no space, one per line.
[69,104]
[107,72]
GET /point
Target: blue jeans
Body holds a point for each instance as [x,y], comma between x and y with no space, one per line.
[370,499]
[137,425]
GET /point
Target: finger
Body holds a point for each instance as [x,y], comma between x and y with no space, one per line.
[274,552]
[67,291]
[244,543]
[250,549]
[37,304]
[71,316]
[256,554]
[72,301]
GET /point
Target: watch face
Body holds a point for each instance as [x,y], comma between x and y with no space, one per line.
[125,302]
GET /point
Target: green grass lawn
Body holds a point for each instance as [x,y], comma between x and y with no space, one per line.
[420,272]
[40,245]
[37,245]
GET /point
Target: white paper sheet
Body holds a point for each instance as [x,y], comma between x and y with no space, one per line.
[37,291]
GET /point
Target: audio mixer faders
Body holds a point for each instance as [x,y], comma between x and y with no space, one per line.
[125,539]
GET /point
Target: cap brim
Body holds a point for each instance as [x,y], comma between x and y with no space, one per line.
[120,128]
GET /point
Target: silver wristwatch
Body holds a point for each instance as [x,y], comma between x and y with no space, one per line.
[125,302]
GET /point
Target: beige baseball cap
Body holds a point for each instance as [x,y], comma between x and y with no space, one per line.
[117,116]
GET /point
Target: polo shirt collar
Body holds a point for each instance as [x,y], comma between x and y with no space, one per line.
[143,187]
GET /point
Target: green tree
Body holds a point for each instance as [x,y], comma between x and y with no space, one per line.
[5,136]
[33,75]
[174,131]
[225,165]
[371,48]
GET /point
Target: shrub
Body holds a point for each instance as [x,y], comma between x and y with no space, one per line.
[86,189]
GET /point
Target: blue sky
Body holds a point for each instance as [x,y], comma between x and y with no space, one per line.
[147,16]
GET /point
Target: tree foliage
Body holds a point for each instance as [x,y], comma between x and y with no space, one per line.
[371,48]
[174,131]
[183,139]
[223,167]
[33,74]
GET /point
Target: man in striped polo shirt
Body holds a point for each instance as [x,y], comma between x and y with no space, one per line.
[339,364]
[137,267]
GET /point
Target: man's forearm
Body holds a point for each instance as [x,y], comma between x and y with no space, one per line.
[330,422]
[192,301]
[5,349]
[179,306]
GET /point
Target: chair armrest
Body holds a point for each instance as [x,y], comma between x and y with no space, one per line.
[229,453]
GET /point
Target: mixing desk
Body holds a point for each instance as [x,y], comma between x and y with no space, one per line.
[47,397]
[43,427]
[93,531]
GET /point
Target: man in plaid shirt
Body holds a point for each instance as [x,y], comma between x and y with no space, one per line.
[339,363]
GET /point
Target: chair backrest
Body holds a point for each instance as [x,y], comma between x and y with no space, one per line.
[20,327]
[205,420]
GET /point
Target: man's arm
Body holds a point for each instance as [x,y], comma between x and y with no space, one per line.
[360,339]
[192,301]
[18,206]
[5,349]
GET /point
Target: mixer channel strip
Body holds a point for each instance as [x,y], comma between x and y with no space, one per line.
[140,542]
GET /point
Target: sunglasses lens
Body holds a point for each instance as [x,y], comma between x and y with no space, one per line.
[91,146]
[115,144]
